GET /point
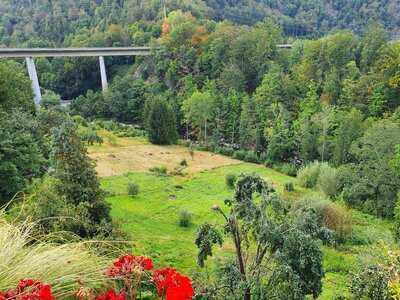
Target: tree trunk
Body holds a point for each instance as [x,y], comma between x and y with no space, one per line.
[205,131]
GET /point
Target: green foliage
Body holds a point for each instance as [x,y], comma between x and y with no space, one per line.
[185,218]
[288,186]
[372,184]
[160,123]
[50,100]
[133,188]
[15,88]
[207,236]
[89,135]
[160,171]
[21,157]
[198,110]
[396,225]
[239,154]
[251,156]
[266,222]
[322,217]
[308,175]
[303,255]
[328,181]
[230,180]
[378,280]
[77,180]
[289,169]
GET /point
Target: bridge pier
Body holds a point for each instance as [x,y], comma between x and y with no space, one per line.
[34,79]
[103,74]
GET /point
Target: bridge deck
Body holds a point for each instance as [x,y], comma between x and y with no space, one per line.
[73,52]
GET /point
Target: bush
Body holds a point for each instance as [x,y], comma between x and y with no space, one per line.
[227,151]
[328,181]
[185,218]
[183,163]
[251,157]
[330,215]
[161,171]
[289,186]
[133,188]
[289,169]
[230,180]
[239,154]
[307,176]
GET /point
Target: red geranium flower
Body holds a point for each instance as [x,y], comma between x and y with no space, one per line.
[29,289]
[172,284]
[127,264]
[111,295]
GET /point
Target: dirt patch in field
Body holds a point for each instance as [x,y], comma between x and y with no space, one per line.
[135,155]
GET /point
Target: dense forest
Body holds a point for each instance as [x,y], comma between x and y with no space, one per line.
[325,112]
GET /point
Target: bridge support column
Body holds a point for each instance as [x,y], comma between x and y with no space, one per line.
[103,74]
[34,79]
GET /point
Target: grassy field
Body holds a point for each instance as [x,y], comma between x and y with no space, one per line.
[151,218]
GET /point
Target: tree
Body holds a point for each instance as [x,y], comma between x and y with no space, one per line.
[77,181]
[21,159]
[15,88]
[281,143]
[199,110]
[324,120]
[350,129]
[160,122]
[372,184]
[266,224]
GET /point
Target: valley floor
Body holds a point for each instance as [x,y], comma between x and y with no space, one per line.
[151,218]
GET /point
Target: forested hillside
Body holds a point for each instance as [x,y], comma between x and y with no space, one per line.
[49,23]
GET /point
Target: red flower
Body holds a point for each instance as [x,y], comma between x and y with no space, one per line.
[172,284]
[29,289]
[127,264]
[111,295]
[7,295]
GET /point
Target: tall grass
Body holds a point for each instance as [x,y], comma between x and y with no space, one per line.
[64,266]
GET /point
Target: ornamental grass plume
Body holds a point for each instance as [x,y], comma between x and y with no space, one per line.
[62,266]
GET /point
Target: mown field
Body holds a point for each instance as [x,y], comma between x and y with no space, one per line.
[151,218]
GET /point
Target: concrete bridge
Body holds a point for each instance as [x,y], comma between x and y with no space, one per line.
[30,54]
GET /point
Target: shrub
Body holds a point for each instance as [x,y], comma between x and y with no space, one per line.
[289,169]
[251,157]
[185,218]
[230,180]
[289,186]
[330,215]
[239,154]
[183,163]
[328,181]
[308,175]
[161,171]
[338,219]
[227,151]
[133,188]
[373,282]
[396,225]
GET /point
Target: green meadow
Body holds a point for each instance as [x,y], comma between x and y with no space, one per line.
[150,219]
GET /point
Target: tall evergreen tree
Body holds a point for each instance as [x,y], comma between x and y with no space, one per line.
[77,180]
[160,122]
